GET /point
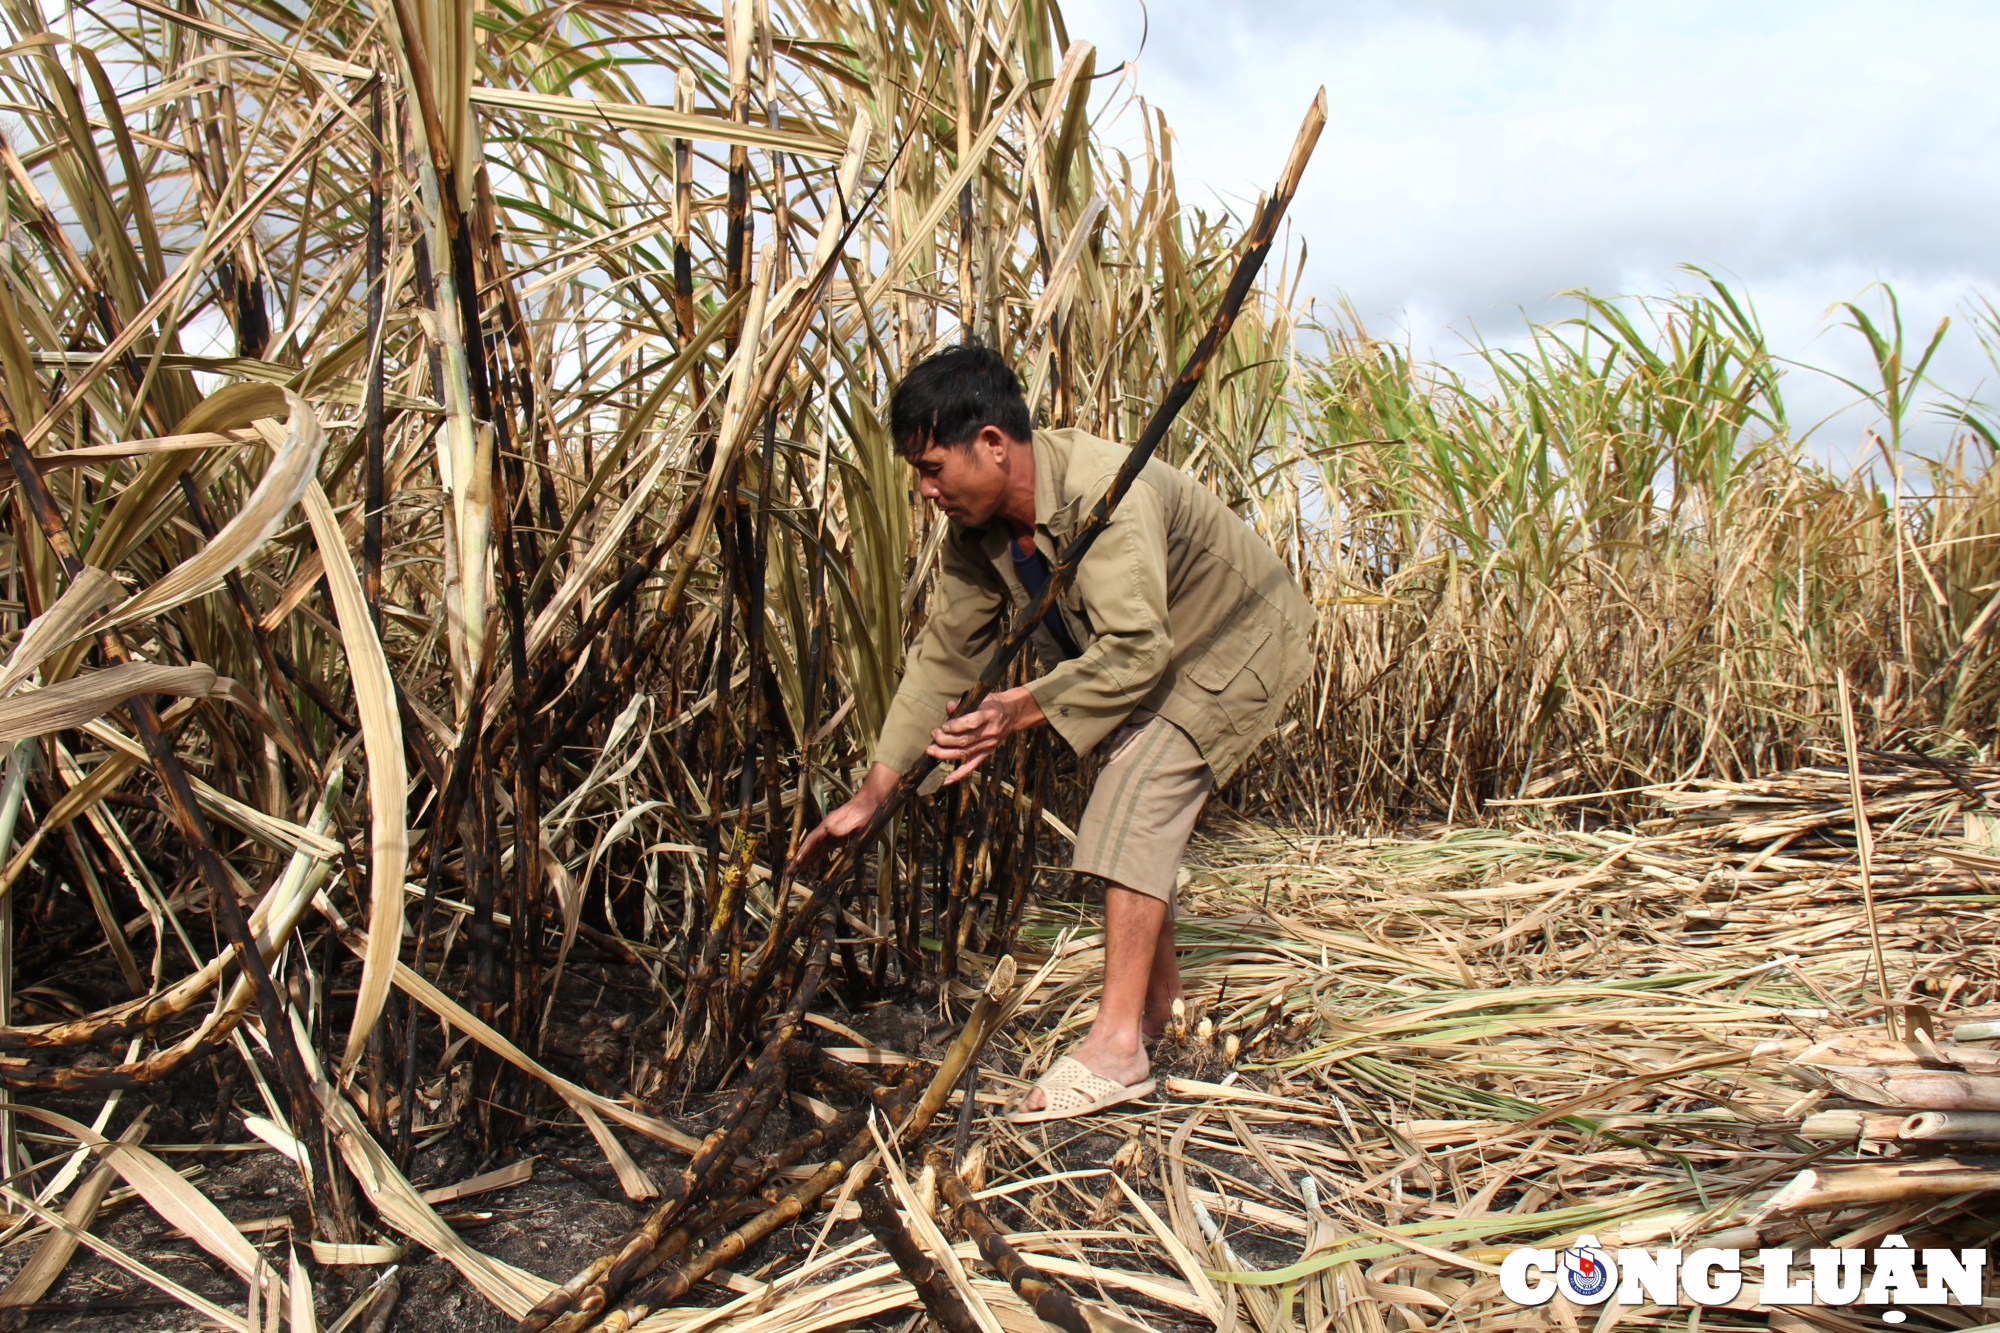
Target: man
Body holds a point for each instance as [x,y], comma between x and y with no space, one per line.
[1175,651]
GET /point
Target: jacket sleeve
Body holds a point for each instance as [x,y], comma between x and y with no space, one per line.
[946,658]
[1123,582]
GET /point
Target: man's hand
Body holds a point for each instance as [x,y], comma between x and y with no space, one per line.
[849,819]
[966,741]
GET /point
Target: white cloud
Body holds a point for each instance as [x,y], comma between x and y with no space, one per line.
[1480,158]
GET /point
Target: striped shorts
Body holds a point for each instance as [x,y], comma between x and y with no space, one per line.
[1144,806]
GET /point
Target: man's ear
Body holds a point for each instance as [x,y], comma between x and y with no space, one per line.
[994,441]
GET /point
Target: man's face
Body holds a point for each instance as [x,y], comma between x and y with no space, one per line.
[966,482]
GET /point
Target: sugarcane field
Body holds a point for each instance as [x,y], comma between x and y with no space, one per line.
[738,666]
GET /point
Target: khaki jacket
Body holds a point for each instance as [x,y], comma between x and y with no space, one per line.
[1179,607]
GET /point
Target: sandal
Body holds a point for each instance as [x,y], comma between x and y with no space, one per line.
[1072,1089]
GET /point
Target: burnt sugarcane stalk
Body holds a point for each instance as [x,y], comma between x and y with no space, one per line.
[715,1153]
[1052,1303]
[1008,903]
[330,1216]
[909,1127]
[921,1271]
[479,846]
[699,1023]
[683,218]
[1257,245]
[516,554]
[955,891]
[717,1211]
[619,1267]
[679,1280]
[450,805]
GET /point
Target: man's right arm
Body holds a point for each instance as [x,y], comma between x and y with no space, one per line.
[850,818]
[966,620]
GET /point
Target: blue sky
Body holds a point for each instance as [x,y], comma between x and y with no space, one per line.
[1482,157]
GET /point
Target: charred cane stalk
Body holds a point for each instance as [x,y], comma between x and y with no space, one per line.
[1052,1303]
[881,1218]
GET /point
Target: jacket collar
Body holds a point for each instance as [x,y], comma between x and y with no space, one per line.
[1048,479]
[1057,512]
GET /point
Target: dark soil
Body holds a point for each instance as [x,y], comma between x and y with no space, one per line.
[553,1224]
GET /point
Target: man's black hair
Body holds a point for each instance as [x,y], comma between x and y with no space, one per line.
[950,395]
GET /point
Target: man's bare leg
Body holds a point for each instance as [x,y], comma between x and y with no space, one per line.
[1141,979]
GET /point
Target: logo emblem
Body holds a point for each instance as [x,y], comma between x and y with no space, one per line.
[1585,1273]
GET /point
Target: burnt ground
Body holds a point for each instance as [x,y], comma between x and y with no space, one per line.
[553,1224]
[604,1034]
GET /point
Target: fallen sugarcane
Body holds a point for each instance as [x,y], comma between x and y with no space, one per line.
[886,1224]
[578,1304]
[1051,1302]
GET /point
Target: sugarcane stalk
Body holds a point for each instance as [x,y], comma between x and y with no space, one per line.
[572,1319]
[516,553]
[764,1083]
[1031,833]
[1257,245]
[677,1281]
[194,830]
[371,520]
[918,1268]
[450,809]
[965,1047]
[683,217]
[955,888]
[618,1267]
[1050,1302]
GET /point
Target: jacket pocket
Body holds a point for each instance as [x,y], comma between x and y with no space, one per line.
[1238,668]
[1228,651]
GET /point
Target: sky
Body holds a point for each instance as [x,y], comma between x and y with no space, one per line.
[1482,158]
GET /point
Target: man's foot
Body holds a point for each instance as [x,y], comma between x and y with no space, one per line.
[1105,1059]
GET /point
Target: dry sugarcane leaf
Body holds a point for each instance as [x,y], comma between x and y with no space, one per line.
[293,462]
[237,693]
[165,444]
[299,1290]
[86,697]
[659,120]
[266,828]
[398,1204]
[382,734]
[506,1177]
[168,1194]
[34,1278]
[88,593]
[632,1178]
[306,577]
[193,1300]
[1183,1258]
